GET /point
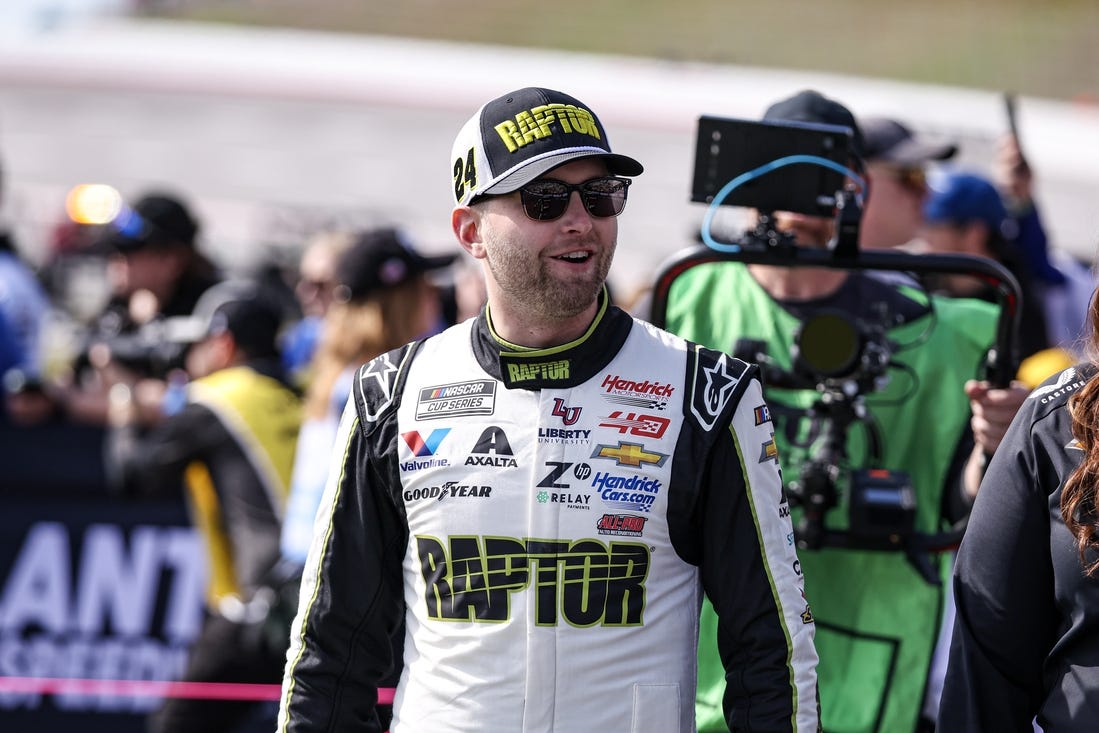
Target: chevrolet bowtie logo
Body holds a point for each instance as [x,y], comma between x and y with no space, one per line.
[629,454]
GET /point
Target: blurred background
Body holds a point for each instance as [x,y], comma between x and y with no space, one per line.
[278,117]
[276,120]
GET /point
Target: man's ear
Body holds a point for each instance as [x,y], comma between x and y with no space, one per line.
[466,223]
[225,350]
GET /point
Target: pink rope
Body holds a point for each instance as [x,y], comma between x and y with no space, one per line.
[154,688]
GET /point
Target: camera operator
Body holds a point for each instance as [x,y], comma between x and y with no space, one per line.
[156,272]
[878,612]
[230,447]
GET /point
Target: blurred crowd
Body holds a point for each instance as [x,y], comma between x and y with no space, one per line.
[61,358]
[221,388]
[248,373]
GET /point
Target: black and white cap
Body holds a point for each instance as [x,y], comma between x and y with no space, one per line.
[518,137]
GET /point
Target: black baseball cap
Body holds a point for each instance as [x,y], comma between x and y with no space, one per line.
[890,141]
[379,259]
[252,315]
[521,135]
[812,106]
[156,220]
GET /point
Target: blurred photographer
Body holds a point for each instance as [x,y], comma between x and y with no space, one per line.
[897,423]
[156,272]
[230,447]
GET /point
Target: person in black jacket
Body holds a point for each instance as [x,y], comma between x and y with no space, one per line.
[230,446]
[1026,583]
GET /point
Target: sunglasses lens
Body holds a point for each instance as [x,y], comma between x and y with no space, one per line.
[548,199]
[604,197]
[545,200]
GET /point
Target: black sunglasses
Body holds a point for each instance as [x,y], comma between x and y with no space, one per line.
[547,199]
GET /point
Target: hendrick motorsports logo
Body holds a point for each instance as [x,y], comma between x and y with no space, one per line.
[629,493]
[645,394]
[462,398]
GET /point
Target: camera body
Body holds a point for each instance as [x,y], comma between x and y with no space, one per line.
[152,349]
[838,359]
[842,359]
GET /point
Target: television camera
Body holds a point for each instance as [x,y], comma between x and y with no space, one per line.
[805,168]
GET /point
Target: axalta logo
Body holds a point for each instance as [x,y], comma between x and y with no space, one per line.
[581,583]
[632,493]
[553,371]
[452,400]
[543,121]
[451,489]
[627,525]
[492,449]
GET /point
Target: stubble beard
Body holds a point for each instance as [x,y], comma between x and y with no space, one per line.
[528,284]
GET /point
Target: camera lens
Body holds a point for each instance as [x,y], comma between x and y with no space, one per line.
[829,344]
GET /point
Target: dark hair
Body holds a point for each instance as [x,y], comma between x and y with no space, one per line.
[1079,499]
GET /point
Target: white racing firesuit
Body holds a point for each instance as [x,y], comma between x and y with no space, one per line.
[542,524]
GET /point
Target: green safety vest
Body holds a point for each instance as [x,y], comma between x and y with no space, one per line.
[877,620]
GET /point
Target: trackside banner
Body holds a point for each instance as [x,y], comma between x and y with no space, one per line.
[94,589]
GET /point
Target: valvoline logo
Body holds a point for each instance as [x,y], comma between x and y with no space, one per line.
[421,446]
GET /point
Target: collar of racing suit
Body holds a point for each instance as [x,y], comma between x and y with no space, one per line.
[567,365]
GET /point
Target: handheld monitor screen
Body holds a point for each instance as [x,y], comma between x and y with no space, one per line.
[728,147]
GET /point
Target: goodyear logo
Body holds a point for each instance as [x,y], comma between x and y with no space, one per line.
[629,454]
[542,121]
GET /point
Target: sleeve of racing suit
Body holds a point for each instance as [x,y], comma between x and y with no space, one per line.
[1006,618]
[351,595]
[750,572]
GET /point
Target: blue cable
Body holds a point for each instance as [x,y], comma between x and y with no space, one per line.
[743,178]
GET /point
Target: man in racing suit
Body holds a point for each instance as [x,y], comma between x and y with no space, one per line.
[542,494]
